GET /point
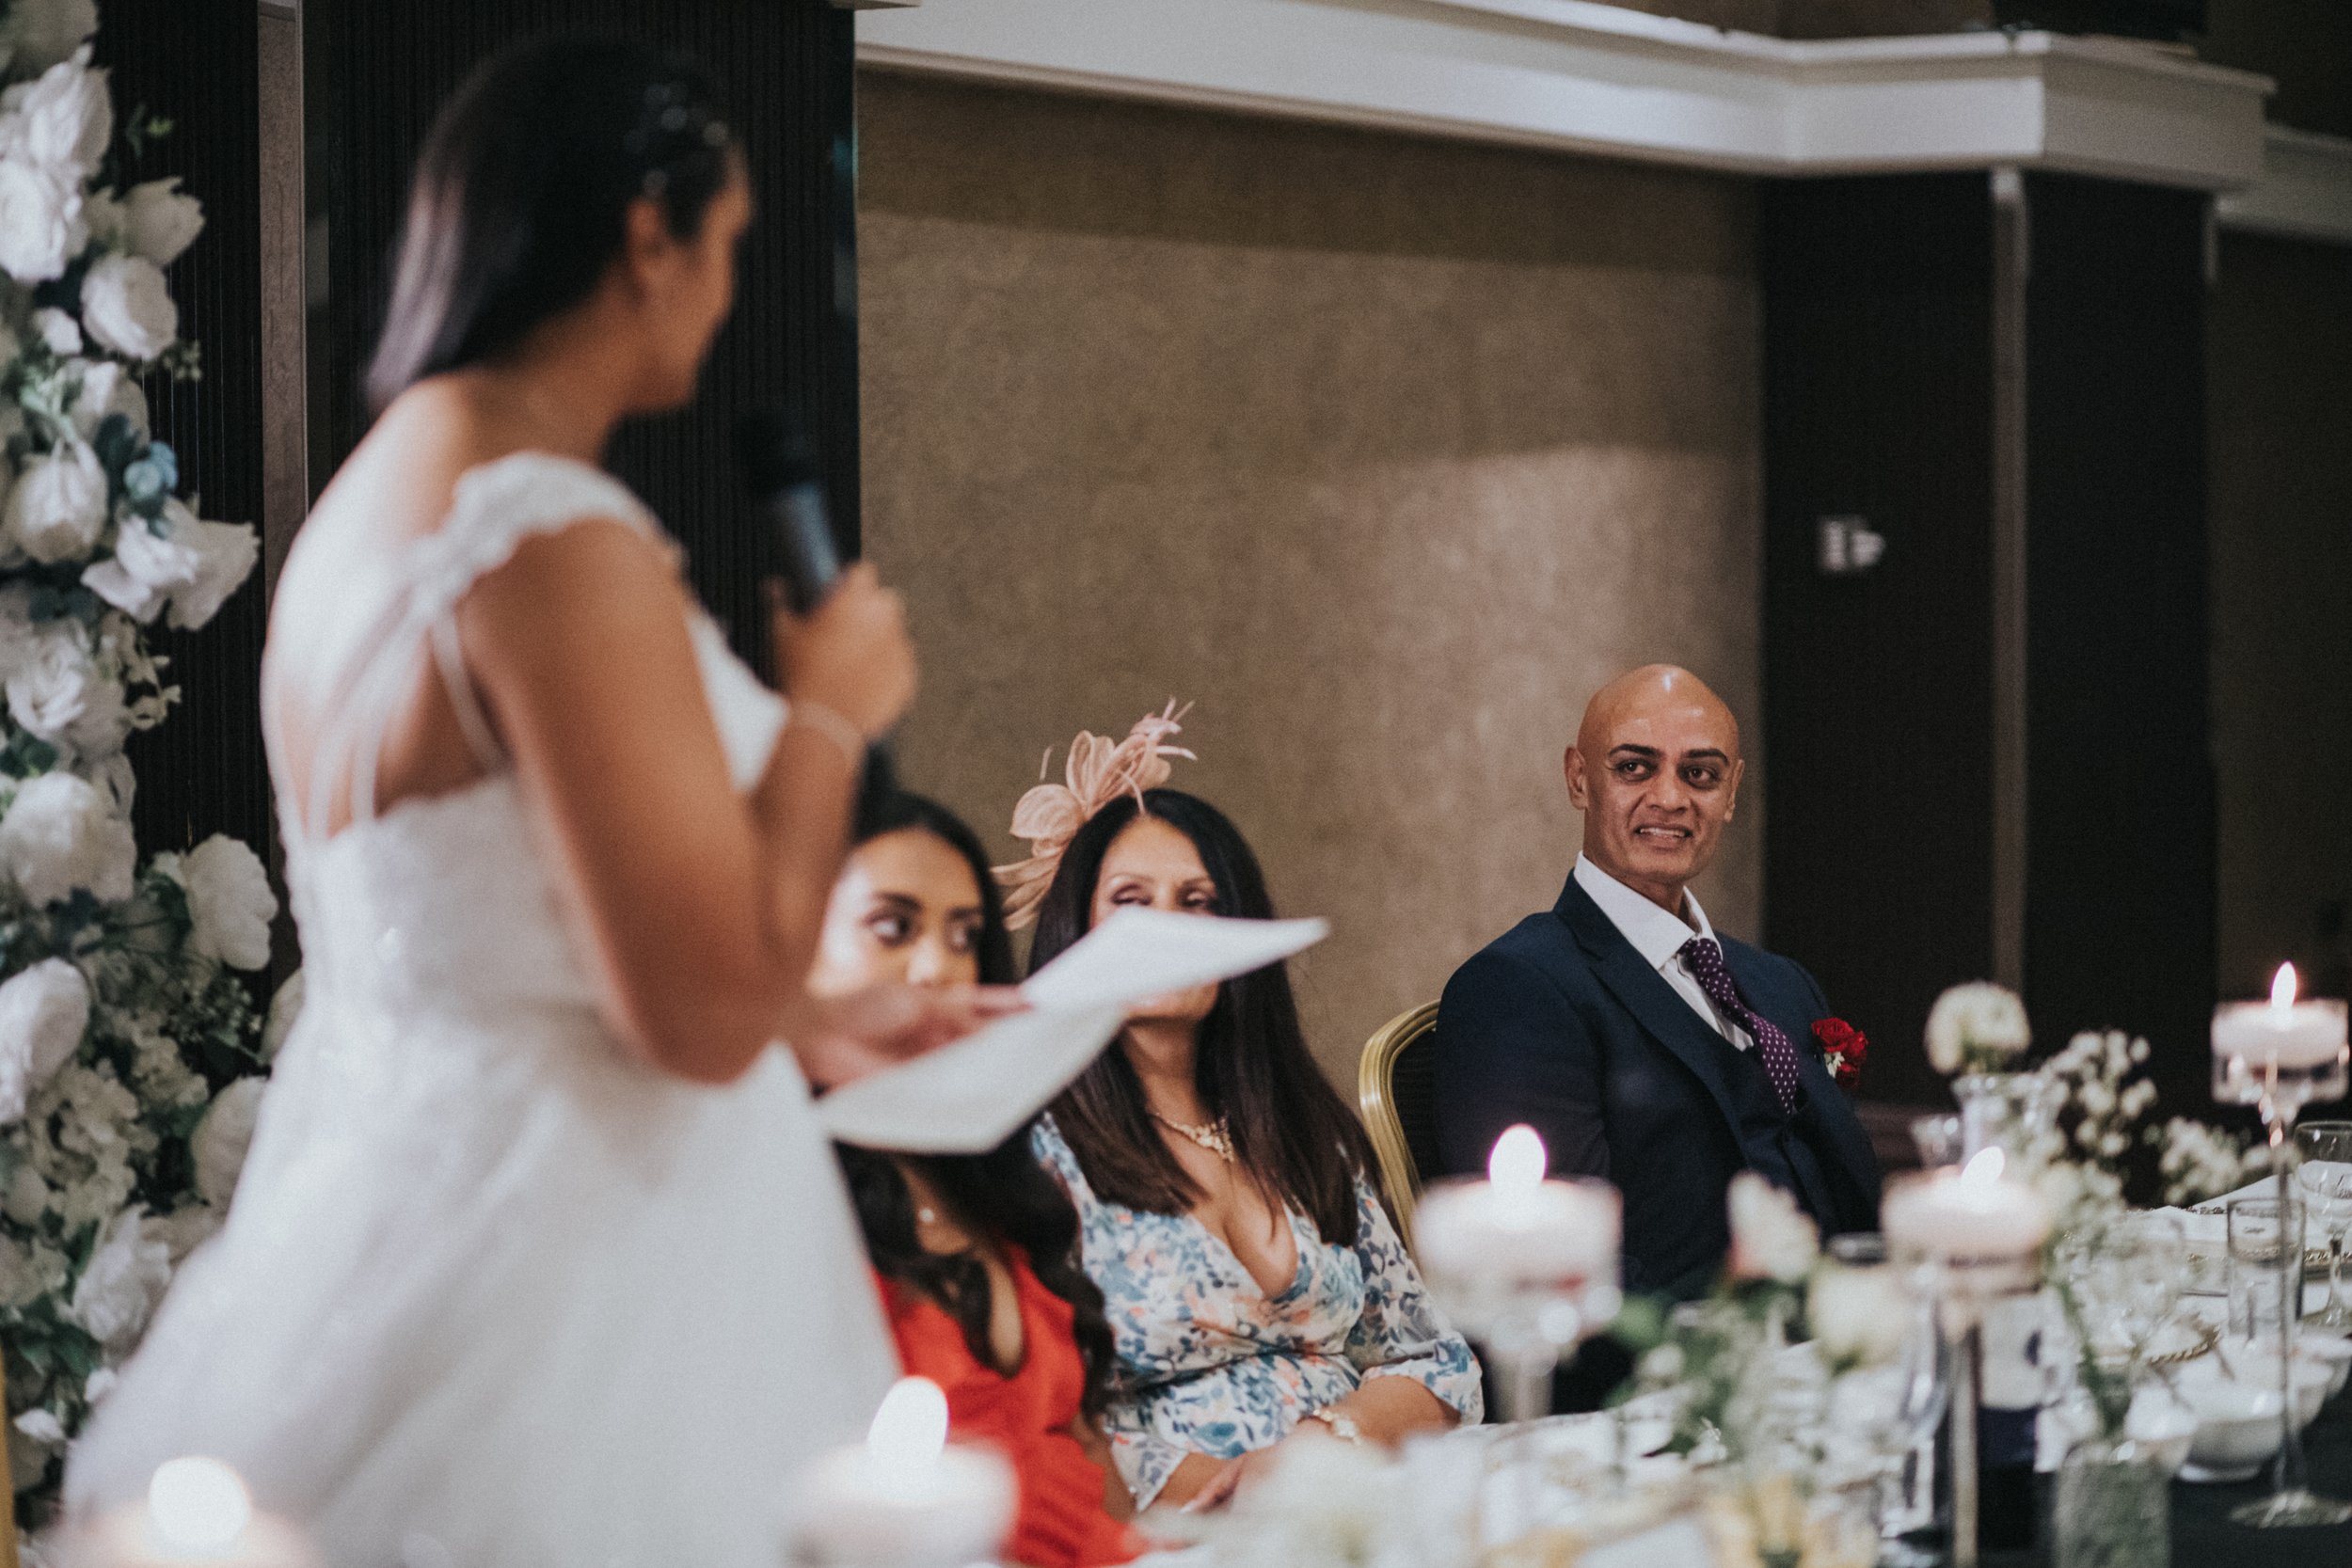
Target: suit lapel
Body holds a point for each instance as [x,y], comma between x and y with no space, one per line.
[1644,993]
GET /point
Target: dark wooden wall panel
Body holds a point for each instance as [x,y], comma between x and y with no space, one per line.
[2120,822]
[197,63]
[1877,687]
[377,72]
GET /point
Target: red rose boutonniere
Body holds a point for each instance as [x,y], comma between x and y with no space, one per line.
[1843,1047]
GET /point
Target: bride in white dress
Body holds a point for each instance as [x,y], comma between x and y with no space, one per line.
[540,1258]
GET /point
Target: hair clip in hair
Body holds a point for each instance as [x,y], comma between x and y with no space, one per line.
[1097,771]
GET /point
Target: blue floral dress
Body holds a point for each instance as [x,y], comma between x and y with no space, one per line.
[1208,1363]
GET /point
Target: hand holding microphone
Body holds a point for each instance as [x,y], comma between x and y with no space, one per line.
[840,636]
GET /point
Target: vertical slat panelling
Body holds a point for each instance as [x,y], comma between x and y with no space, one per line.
[197,63]
[379,73]
[1877,690]
[2120,815]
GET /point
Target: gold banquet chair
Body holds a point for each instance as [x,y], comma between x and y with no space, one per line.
[1395,1092]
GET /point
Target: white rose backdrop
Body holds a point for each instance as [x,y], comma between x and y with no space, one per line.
[132,1057]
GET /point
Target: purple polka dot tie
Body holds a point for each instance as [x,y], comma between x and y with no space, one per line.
[1705,959]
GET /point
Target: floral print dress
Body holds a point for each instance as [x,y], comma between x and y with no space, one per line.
[1208,1363]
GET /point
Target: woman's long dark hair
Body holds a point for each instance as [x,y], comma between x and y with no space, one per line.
[1004,1195]
[522,192]
[1291,1130]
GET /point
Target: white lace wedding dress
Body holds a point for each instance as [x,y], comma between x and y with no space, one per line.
[491,1292]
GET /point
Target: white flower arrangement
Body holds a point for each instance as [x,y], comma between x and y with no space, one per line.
[1978,1027]
[131,1053]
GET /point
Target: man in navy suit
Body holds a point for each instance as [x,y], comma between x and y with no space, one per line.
[1644,1047]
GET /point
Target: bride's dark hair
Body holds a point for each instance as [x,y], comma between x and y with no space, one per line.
[1005,1195]
[1291,1130]
[522,192]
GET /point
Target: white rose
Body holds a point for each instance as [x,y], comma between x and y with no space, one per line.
[1860,1317]
[1975,1027]
[28,1197]
[41,1425]
[1770,1238]
[49,679]
[147,564]
[230,901]
[61,332]
[126,306]
[59,508]
[220,1140]
[44,1011]
[122,1282]
[41,228]
[158,222]
[111,774]
[61,835]
[44,32]
[285,1010]
[109,220]
[63,119]
[226,553]
[100,1384]
[185,1229]
[108,387]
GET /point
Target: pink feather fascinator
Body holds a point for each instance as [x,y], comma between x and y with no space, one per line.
[1097,771]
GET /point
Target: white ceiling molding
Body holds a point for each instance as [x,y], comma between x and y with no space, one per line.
[1581,77]
[2305,192]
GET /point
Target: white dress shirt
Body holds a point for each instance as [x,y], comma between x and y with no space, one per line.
[1658,936]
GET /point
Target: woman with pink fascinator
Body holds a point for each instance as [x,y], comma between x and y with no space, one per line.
[1257,1291]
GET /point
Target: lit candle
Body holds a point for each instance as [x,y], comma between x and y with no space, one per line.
[903,1499]
[2292,1035]
[1976,1215]
[1515,1229]
[197,1512]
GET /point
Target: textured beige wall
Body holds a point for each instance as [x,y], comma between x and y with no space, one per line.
[1384,452]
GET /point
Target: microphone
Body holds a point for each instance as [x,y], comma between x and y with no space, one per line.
[787,494]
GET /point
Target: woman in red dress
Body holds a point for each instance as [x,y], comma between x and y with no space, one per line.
[976,1254]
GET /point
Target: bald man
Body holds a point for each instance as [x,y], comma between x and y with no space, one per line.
[1645,1047]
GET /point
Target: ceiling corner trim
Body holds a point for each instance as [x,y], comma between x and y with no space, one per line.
[1587,78]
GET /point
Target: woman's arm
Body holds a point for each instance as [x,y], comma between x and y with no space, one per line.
[700,907]
[1417,1371]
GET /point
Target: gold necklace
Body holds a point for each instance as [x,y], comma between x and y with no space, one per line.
[1210,1135]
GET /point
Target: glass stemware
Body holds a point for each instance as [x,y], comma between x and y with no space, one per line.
[1891,1412]
[2325,1173]
[2279,1082]
[2120,1283]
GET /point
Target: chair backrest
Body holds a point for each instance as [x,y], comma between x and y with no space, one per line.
[1394,1089]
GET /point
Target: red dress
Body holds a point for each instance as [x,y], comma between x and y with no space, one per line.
[1062,1522]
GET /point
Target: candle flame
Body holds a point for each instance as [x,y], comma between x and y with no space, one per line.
[910,1428]
[2282,988]
[1984,1166]
[196,1506]
[1518,1162]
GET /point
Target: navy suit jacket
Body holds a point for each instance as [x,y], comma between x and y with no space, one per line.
[1562,1024]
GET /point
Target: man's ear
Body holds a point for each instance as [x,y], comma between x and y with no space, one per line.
[1731,805]
[1573,765]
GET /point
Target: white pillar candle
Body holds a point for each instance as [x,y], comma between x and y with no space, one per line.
[1515,1229]
[2294,1035]
[197,1512]
[1975,1215]
[904,1498]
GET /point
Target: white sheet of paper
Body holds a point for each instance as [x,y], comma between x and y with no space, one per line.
[969,1097]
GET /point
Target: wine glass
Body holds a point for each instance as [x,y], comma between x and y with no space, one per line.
[1891,1412]
[2278,1057]
[2122,1282]
[2325,1150]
